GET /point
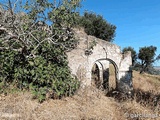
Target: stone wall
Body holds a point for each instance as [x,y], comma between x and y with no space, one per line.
[82,59]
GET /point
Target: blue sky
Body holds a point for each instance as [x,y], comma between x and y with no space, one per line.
[137,21]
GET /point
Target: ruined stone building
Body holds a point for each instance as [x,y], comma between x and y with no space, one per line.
[93,51]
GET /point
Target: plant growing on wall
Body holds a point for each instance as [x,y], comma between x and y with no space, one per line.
[90,47]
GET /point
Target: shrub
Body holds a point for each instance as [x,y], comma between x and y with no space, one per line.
[40,74]
[33,53]
[97,26]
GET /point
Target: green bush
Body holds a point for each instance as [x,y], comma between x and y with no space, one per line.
[33,53]
[97,26]
[38,74]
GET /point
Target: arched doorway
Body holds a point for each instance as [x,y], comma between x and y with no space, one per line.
[97,78]
[104,74]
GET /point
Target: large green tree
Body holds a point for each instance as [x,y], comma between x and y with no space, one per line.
[133,54]
[34,39]
[147,57]
[97,26]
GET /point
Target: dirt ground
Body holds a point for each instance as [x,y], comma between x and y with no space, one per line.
[86,104]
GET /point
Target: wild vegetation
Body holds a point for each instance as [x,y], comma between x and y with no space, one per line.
[89,103]
[147,57]
[97,26]
[34,39]
[144,60]
[33,43]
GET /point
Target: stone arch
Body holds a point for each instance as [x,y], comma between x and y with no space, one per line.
[115,66]
[81,64]
[97,74]
[103,75]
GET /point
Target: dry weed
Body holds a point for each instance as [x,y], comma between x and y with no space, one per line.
[86,104]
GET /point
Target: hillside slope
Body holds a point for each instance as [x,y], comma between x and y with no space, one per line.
[88,104]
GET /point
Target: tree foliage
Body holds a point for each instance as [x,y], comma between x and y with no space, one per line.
[147,57]
[97,26]
[33,45]
[133,54]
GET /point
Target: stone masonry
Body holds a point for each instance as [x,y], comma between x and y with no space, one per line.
[82,59]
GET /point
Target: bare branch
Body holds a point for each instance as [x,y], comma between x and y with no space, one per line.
[10,6]
[17,28]
[7,48]
[14,6]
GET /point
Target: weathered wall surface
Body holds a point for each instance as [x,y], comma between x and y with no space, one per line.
[81,64]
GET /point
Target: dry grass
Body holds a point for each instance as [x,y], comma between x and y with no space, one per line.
[146,82]
[87,104]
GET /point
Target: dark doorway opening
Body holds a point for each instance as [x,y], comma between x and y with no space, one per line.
[104,77]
